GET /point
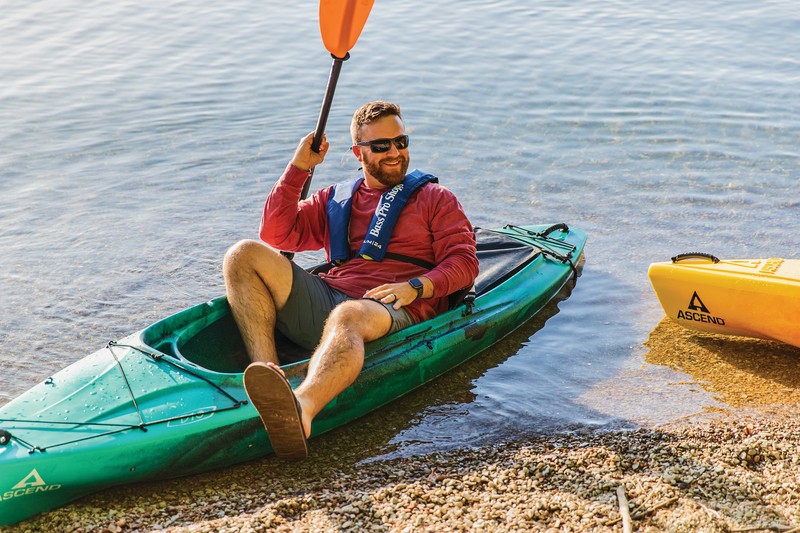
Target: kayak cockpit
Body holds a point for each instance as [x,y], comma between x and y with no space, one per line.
[207,336]
[213,341]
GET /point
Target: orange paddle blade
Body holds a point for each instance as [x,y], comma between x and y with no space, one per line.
[341,22]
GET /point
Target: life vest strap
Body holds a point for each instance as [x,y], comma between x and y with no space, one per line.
[399,257]
[325,267]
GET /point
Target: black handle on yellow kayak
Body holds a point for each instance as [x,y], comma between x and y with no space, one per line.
[695,255]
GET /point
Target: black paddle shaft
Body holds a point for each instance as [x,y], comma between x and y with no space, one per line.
[336,68]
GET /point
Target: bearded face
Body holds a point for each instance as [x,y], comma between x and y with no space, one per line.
[383,169]
[389,170]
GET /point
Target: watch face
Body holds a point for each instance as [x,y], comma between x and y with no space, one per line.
[417,284]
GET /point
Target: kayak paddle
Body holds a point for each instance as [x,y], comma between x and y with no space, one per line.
[340,23]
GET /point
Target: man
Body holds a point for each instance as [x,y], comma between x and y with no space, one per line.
[401,243]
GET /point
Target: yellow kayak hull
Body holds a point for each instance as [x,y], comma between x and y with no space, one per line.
[752,298]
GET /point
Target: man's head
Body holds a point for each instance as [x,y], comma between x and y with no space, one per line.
[369,113]
[380,120]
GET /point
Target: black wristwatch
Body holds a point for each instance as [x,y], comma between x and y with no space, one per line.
[417,284]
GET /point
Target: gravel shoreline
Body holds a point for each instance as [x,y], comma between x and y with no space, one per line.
[730,474]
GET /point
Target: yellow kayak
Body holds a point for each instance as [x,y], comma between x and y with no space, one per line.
[750,297]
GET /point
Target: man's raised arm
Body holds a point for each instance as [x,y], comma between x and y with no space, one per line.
[287,223]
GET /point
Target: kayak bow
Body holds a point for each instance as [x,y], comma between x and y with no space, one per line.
[750,297]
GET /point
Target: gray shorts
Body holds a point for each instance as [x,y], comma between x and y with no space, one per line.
[310,302]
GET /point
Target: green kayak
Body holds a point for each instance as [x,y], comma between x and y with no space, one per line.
[168,401]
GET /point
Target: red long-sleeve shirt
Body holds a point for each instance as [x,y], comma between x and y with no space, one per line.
[432,227]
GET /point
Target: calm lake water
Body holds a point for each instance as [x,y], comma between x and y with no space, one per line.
[138,141]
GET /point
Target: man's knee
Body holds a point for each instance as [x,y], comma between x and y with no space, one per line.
[245,256]
[348,313]
[251,264]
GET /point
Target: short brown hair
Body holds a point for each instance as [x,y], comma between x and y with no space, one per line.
[371,112]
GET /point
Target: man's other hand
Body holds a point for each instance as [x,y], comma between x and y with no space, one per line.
[400,294]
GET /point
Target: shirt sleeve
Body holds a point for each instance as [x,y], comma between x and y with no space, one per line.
[290,224]
[453,245]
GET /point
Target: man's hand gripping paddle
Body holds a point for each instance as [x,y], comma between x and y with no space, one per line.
[340,23]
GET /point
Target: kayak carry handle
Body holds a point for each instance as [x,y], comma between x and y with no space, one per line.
[695,255]
[551,229]
[5,437]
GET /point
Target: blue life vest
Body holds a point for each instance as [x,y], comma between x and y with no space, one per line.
[387,212]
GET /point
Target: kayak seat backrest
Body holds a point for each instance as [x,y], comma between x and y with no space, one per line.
[500,258]
[456,298]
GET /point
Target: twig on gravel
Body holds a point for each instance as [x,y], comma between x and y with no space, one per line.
[704,492]
[641,506]
[627,525]
[656,507]
[646,512]
[709,510]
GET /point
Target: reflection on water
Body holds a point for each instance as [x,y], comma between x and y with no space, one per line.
[737,371]
[691,374]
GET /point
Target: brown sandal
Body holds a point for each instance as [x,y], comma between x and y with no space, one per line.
[272,396]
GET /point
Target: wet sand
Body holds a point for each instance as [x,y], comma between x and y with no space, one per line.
[733,467]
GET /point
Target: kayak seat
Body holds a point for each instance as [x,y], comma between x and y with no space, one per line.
[462,296]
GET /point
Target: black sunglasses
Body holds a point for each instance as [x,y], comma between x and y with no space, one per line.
[384,145]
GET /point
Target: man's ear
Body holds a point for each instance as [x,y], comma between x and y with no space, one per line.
[357,151]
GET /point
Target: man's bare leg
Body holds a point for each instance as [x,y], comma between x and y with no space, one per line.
[339,358]
[258,281]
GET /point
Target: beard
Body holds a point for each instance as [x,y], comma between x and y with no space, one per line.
[388,176]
